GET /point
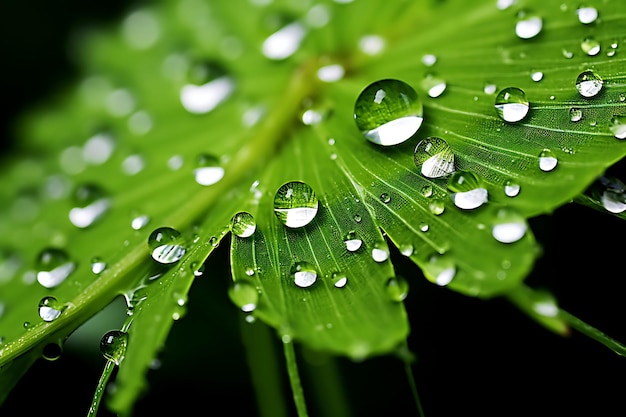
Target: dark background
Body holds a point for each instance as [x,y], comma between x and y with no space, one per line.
[474,357]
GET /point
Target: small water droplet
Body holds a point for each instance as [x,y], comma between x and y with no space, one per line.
[511,188]
[139,222]
[397,288]
[98,265]
[589,83]
[339,279]
[610,192]
[528,26]
[509,226]
[295,204]
[352,242]
[304,274]
[435,86]
[208,170]
[385,198]
[50,308]
[249,272]
[91,203]
[242,224]
[113,345]
[434,157]
[244,295]
[436,207]
[166,245]
[424,227]
[511,104]
[587,15]
[380,252]
[575,114]
[52,351]
[197,269]
[388,112]
[467,192]
[440,270]
[427,190]
[208,86]
[54,266]
[590,46]
[98,148]
[284,42]
[489,88]
[536,76]
[133,164]
[331,73]
[357,218]
[547,160]
[372,44]
[429,60]
[618,127]
[406,249]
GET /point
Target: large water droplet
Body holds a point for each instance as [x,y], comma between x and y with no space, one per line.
[610,192]
[434,157]
[295,204]
[511,104]
[397,288]
[380,252]
[166,245]
[304,274]
[547,160]
[466,190]
[209,86]
[388,112]
[352,242]
[587,15]
[511,188]
[208,170]
[509,226]
[50,308]
[589,83]
[91,203]
[528,27]
[244,295]
[339,279]
[54,266]
[284,42]
[113,345]
[618,126]
[242,224]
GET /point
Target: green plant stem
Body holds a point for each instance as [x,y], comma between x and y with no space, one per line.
[294,378]
[101,387]
[326,385]
[593,333]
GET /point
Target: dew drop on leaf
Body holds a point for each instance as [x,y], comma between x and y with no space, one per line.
[113,345]
[433,157]
[388,112]
[618,127]
[52,351]
[536,76]
[372,44]
[610,192]
[380,252]
[53,267]
[589,83]
[547,160]
[139,222]
[339,279]
[587,15]
[166,245]
[511,188]
[98,265]
[528,26]
[385,198]
[284,42]
[208,170]
[509,226]
[208,86]
[436,207]
[575,114]
[98,148]
[397,288]
[440,270]
[244,295]
[435,86]
[91,203]
[511,104]
[590,46]
[466,190]
[427,190]
[304,274]
[331,73]
[352,242]
[242,224]
[50,308]
[295,204]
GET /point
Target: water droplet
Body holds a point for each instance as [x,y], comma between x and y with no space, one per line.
[547,160]
[141,29]
[140,123]
[331,73]
[208,170]
[197,269]
[610,192]
[429,60]
[509,226]
[242,224]
[372,44]
[353,243]
[209,86]
[467,192]
[54,266]
[427,190]
[536,76]
[139,222]
[618,127]
[357,218]
[385,198]
[406,249]
[588,83]
[52,351]
[284,42]
[505,4]
[113,345]
[312,117]
[575,114]
[295,204]
[511,188]
[528,27]
[511,104]
[424,227]
[489,88]
[167,245]
[98,149]
[304,274]
[98,265]
[440,270]
[50,308]
[91,203]
[434,157]
[339,279]
[175,162]
[587,15]
[388,112]
[436,207]
[397,288]
[435,86]
[244,295]
[133,164]
[380,252]
[590,46]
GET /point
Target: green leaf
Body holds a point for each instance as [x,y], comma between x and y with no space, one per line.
[271,120]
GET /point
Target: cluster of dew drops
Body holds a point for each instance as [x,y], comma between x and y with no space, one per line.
[387,112]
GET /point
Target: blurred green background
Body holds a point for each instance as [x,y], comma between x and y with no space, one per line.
[474,357]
